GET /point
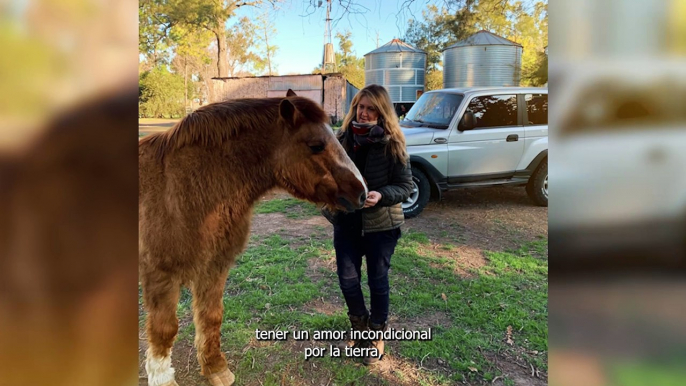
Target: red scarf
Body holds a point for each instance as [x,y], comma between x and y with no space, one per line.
[366,133]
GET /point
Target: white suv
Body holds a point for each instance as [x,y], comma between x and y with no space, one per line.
[620,140]
[482,136]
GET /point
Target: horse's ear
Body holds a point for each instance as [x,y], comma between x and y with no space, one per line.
[291,93]
[288,112]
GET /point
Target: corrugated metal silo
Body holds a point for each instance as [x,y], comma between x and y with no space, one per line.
[399,67]
[483,59]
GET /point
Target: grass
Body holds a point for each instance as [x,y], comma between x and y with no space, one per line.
[274,281]
[665,371]
[291,207]
[510,291]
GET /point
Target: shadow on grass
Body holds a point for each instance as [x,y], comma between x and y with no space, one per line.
[500,309]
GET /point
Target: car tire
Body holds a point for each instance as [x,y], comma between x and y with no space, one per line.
[421,192]
[537,187]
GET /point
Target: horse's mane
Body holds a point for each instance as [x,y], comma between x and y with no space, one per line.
[215,123]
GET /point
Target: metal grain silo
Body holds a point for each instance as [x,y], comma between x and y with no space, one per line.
[399,67]
[483,59]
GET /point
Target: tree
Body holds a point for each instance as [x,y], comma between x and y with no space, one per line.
[345,45]
[432,37]
[434,80]
[191,53]
[153,28]
[347,63]
[441,28]
[539,76]
[240,39]
[161,93]
[264,30]
[208,15]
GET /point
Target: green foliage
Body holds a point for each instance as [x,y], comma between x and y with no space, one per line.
[531,30]
[537,74]
[345,45]
[161,94]
[241,38]
[347,63]
[191,43]
[153,28]
[431,35]
[264,29]
[195,39]
[159,19]
[434,80]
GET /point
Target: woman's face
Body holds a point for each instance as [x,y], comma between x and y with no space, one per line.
[366,112]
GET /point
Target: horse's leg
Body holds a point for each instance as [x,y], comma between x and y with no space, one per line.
[161,297]
[208,311]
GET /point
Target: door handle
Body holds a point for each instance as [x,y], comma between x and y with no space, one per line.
[440,140]
[513,138]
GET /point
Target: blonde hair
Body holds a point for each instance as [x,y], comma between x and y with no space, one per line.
[379,98]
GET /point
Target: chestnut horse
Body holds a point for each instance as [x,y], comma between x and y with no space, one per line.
[198,184]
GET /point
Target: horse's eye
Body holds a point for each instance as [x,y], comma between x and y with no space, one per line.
[316,149]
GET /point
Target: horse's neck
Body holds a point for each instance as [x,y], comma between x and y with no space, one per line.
[252,172]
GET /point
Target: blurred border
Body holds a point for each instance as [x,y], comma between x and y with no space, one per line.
[68,192]
[617,213]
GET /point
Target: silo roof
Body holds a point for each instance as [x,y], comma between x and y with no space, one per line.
[395,45]
[484,38]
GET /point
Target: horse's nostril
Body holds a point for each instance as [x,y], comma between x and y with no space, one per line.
[363,198]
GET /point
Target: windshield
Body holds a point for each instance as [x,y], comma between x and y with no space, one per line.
[435,109]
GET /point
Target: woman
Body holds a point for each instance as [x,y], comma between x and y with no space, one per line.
[372,138]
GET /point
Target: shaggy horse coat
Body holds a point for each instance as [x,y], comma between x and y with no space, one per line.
[198,184]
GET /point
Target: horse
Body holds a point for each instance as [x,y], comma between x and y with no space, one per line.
[198,183]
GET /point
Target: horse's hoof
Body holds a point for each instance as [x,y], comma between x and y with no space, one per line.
[225,378]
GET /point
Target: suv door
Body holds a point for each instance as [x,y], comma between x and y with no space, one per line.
[536,117]
[494,147]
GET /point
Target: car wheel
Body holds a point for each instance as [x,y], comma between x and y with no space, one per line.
[537,187]
[421,191]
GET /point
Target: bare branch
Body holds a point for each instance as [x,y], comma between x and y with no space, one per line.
[248,3]
[351,8]
[311,9]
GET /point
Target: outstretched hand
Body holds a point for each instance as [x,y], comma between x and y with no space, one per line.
[372,199]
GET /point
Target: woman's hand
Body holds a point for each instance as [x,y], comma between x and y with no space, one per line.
[372,199]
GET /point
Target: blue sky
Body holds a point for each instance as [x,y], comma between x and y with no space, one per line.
[300,30]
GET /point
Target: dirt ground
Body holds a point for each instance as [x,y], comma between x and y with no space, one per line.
[472,220]
[494,218]
[153,125]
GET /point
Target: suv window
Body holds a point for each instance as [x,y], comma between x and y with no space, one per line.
[435,109]
[494,110]
[537,108]
[611,105]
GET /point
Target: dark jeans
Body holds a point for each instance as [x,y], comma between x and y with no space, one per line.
[378,247]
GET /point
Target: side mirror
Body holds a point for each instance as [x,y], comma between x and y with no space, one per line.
[467,122]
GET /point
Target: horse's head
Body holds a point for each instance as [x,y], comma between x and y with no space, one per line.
[311,163]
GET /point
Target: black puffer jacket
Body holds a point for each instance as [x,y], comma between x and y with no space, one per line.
[386,176]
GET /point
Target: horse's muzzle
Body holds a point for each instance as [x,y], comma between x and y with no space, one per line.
[363,198]
[349,206]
